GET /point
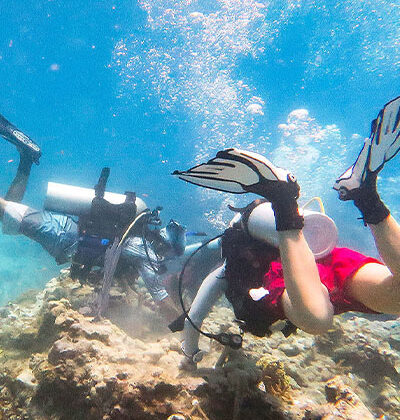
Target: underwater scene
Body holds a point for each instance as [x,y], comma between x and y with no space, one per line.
[139,279]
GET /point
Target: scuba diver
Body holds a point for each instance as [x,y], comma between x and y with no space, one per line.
[100,236]
[288,269]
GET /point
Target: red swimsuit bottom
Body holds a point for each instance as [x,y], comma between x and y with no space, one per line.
[335,271]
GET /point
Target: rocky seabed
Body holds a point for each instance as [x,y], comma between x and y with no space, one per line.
[58,363]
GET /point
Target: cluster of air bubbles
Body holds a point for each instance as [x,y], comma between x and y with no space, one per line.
[186,59]
[314,153]
[365,34]
[220,215]
[187,62]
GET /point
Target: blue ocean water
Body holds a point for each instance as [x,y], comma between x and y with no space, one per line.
[147,87]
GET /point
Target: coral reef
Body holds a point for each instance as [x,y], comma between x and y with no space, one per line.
[342,403]
[274,377]
[57,363]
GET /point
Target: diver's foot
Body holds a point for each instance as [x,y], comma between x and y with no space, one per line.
[28,150]
[381,146]
[240,171]
[349,183]
[187,365]
[25,145]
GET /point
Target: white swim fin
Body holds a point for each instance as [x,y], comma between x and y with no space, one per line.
[381,146]
[235,171]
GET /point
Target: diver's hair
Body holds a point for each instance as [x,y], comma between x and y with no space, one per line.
[235,240]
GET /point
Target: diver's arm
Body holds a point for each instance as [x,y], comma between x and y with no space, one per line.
[211,289]
[306,300]
[17,188]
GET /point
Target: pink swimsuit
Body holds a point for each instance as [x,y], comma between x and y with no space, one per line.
[335,271]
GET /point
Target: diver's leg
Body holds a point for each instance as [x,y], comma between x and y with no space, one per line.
[11,216]
[305,300]
[29,152]
[158,292]
[17,188]
[210,290]
[378,286]
[146,264]
[375,285]
[56,233]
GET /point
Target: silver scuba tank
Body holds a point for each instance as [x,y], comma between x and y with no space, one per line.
[76,201]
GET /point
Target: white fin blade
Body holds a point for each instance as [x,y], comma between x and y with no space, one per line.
[215,184]
[266,168]
[386,137]
[353,177]
[232,170]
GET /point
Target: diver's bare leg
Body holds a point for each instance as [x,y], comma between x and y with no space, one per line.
[17,188]
[375,285]
[305,300]
[387,239]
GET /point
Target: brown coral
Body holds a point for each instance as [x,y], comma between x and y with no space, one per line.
[274,377]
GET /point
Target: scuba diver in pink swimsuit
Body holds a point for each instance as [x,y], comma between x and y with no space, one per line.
[280,272]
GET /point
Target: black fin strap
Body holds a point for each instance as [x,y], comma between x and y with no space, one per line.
[373,209]
[369,203]
[287,215]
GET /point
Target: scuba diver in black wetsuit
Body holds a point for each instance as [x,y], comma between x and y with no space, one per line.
[89,242]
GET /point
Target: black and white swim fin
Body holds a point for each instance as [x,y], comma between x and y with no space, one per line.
[19,139]
[234,171]
[381,146]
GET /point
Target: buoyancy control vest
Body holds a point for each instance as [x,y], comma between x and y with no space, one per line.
[242,276]
[99,228]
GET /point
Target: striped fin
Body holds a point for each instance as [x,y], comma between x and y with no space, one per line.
[385,135]
[233,170]
[381,146]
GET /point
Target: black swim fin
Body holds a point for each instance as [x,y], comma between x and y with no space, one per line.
[19,139]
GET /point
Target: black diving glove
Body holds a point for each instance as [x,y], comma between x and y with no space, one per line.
[283,197]
[368,201]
